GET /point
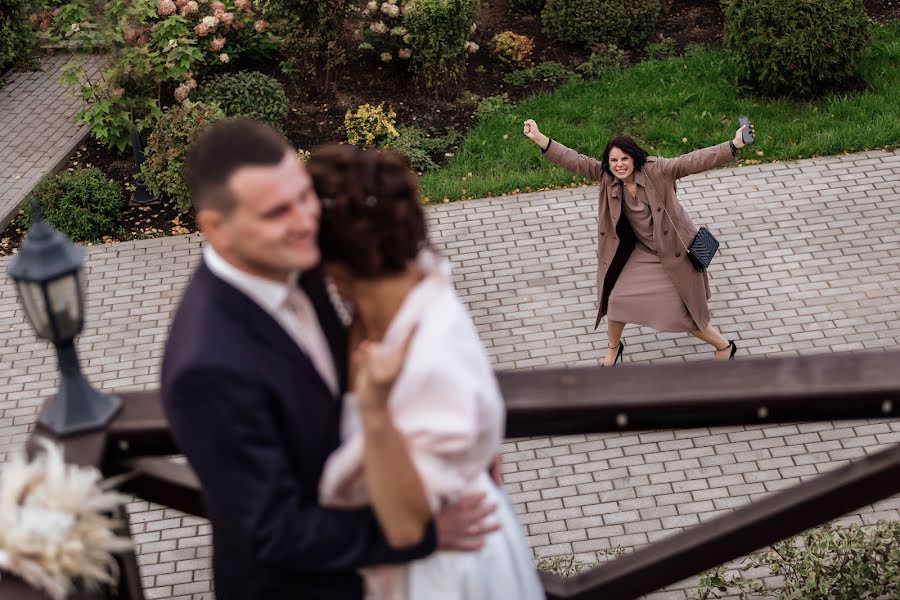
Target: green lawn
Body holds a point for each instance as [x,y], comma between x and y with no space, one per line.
[662,104]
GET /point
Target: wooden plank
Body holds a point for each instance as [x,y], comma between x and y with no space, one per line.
[172,484]
[671,396]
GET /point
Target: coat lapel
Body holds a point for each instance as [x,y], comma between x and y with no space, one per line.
[615,199]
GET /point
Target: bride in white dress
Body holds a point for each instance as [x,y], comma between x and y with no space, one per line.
[445,402]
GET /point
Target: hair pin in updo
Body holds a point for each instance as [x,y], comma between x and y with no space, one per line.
[371,201]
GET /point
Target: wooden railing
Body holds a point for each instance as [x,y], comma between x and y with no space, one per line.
[591,400]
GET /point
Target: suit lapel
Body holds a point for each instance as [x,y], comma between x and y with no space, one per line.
[313,284]
[263,326]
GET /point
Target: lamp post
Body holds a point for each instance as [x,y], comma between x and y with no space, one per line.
[141,195]
[47,272]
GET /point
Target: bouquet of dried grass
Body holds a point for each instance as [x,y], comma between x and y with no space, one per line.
[54,524]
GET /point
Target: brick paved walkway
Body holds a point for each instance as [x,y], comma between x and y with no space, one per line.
[37,128]
[809,263]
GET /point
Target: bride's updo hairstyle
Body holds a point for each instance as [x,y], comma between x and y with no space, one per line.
[372,221]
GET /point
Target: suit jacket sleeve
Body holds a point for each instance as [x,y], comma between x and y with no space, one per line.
[221,423]
[570,160]
[696,161]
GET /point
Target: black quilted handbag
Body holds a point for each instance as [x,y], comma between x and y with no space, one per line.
[702,249]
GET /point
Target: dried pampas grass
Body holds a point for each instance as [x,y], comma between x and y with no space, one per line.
[54,527]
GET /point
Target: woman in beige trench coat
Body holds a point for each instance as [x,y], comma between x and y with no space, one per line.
[644,275]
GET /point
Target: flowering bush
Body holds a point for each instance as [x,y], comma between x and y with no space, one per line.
[432,36]
[74,25]
[165,44]
[370,125]
[164,159]
[384,32]
[315,36]
[512,49]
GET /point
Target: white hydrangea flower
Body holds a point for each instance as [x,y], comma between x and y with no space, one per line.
[390,9]
[473,28]
[372,6]
[408,8]
[471,47]
[378,27]
[386,56]
[224,57]
[398,31]
[407,38]
[366,46]
[209,21]
[404,53]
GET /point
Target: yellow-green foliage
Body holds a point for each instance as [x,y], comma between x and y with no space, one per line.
[512,48]
[370,125]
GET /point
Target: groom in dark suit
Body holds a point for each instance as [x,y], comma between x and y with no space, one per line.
[252,380]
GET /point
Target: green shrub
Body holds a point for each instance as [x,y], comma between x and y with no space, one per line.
[625,24]
[550,71]
[370,125]
[84,204]
[664,48]
[492,104]
[417,147]
[16,38]
[247,94]
[826,563]
[438,39]
[529,7]
[512,49]
[604,58]
[315,36]
[795,47]
[164,156]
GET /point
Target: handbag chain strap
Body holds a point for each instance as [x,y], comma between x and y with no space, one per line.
[663,202]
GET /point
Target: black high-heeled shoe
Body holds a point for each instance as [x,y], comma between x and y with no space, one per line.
[619,353]
[731,344]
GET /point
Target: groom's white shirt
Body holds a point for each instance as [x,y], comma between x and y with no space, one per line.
[288,304]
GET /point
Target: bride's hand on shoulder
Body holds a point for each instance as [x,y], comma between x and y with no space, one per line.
[376,367]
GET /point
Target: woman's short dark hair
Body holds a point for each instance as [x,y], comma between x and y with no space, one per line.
[629,147]
[372,221]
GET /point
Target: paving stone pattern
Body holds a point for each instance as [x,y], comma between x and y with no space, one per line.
[809,264]
[37,127]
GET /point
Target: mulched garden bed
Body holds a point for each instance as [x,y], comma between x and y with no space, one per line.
[363,79]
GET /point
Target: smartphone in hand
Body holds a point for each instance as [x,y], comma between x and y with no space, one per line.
[748,135]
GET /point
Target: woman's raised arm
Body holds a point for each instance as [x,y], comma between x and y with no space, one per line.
[561,156]
[704,158]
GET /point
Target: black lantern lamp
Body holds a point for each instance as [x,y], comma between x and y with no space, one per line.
[47,272]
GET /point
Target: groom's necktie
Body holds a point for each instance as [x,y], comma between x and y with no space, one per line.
[308,330]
